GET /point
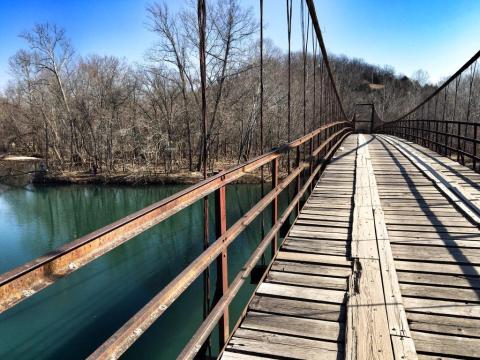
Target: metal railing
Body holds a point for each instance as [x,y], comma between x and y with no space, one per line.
[26,280]
[303,175]
[447,121]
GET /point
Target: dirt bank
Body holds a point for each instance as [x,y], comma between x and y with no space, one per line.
[133,178]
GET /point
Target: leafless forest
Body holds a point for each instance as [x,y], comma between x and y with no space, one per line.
[101,114]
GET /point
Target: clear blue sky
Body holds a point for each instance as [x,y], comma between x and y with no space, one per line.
[435,35]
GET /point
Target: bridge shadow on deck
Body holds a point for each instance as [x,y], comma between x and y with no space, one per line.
[458,254]
[454,171]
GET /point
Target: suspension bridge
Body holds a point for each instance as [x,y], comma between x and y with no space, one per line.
[381,261]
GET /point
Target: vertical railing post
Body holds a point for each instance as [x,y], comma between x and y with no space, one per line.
[415,132]
[311,162]
[475,139]
[451,138]
[299,176]
[424,138]
[274,205]
[222,262]
[458,141]
[431,136]
[318,145]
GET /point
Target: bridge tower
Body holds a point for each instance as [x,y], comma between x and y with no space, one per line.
[363,117]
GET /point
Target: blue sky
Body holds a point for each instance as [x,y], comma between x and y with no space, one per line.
[435,35]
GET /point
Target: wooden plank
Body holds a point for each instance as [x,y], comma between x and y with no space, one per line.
[452,235]
[440,292]
[325,215]
[316,246]
[312,269]
[290,325]
[314,258]
[460,280]
[427,220]
[301,293]
[263,343]
[299,232]
[433,228]
[397,318]
[315,281]
[436,242]
[406,204]
[364,245]
[437,268]
[403,346]
[314,220]
[440,254]
[445,212]
[229,355]
[299,308]
[447,345]
[441,307]
[319,226]
[368,335]
[448,325]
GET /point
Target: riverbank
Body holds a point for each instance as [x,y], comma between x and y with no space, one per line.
[134,178]
[18,170]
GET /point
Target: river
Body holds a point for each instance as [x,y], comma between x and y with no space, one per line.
[71,318]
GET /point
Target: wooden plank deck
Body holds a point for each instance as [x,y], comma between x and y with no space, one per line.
[383,262]
[435,247]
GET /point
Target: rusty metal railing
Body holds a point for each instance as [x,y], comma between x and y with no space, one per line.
[26,280]
[448,120]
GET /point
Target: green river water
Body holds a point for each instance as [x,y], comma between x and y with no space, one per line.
[71,318]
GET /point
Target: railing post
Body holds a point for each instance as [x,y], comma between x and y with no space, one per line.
[298,177]
[222,262]
[458,141]
[424,140]
[318,145]
[311,163]
[475,139]
[274,205]
[450,132]
[430,135]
